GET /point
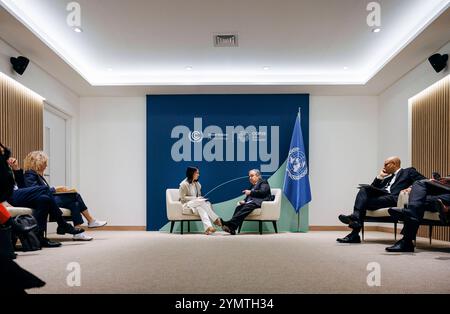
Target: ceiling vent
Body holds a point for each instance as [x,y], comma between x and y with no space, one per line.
[226,40]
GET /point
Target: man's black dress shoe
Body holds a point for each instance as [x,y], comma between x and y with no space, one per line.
[228,229]
[397,213]
[47,243]
[350,238]
[401,246]
[350,220]
[68,228]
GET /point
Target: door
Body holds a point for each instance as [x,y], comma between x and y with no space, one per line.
[55,146]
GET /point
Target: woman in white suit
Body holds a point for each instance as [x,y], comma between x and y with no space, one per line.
[191,198]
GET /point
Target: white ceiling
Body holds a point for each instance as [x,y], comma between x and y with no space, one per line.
[151,42]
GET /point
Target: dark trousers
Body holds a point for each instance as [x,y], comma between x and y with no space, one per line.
[40,200]
[241,212]
[74,202]
[423,197]
[369,199]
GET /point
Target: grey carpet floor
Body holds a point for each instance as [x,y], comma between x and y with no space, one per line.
[148,262]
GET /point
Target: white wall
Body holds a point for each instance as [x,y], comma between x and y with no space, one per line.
[113,156]
[113,159]
[343,153]
[393,109]
[55,94]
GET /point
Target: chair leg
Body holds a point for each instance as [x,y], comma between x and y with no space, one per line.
[362,230]
[430,232]
[182,225]
[189,226]
[395,231]
[275,226]
[172,224]
[260,227]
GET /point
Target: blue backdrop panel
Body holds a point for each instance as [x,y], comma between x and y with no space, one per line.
[204,131]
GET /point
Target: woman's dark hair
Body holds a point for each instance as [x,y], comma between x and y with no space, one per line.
[190,173]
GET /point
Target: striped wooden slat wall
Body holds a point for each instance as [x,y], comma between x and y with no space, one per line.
[21,118]
[431,138]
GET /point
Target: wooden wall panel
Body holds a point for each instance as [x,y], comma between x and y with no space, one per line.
[431,138]
[21,118]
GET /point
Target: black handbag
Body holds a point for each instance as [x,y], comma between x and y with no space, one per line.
[30,241]
[6,244]
[7,181]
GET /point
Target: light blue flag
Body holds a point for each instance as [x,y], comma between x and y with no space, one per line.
[296,180]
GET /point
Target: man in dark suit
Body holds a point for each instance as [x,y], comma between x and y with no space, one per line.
[258,193]
[383,192]
[432,195]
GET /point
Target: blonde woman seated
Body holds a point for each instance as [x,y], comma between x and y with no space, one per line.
[191,198]
[35,165]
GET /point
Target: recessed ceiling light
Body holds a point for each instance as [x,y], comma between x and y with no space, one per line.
[110,69]
[376,30]
[77,29]
[266,68]
[345,68]
[188,68]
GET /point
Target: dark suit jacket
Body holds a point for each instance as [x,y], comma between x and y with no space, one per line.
[19,178]
[32,178]
[260,193]
[405,178]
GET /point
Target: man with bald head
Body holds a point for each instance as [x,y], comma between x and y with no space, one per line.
[382,193]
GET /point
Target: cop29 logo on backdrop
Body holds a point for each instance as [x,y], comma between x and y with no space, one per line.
[234,143]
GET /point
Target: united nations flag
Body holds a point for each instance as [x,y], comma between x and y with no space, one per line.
[296,181]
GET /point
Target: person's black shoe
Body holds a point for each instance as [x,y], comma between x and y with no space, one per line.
[228,229]
[350,220]
[345,219]
[397,213]
[47,243]
[350,238]
[401,246]
[68,228]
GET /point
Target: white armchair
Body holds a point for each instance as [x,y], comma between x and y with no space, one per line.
[175,210]
[270,211]
[382,215]
[17,211]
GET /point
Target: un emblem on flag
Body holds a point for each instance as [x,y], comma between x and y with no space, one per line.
[297,167]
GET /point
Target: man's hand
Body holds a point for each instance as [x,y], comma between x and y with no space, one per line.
[382,174]
[241,202]
[247,192]
[13,163]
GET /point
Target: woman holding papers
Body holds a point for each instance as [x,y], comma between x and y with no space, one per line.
[193,202]
[35,165]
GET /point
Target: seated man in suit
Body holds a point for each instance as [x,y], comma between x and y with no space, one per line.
[258,193]
[383,192]
[432,195]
